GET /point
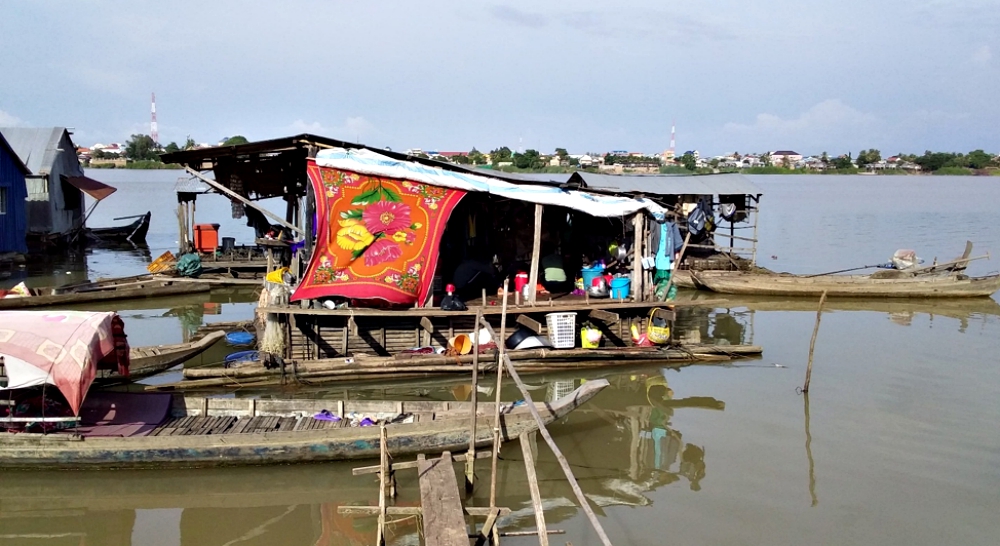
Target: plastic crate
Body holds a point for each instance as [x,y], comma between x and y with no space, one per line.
[562,329]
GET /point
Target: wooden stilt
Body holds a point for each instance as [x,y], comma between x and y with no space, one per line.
[382,477]
[812,343]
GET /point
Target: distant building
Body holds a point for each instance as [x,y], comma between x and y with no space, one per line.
[55,183]
[13,192]
[779,157]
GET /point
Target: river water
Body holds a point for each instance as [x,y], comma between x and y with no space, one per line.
[896,443]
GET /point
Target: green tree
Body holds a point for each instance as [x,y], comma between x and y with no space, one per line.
[530,159]
[609,159]
[460,159]
[235,141]
[476,157]
[766,159]
[500,154]
[689,162]
[574,162]
[190,144]
[932,161]
[825,159]
[562,153]
[141,148]
[786,162]
[868,157]
[171,148]
[978,159]
[842,162]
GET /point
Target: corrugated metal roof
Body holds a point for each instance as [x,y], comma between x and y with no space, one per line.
[670,184]
[38,148]
[16,159]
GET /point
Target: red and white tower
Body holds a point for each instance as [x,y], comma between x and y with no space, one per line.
[671,152]
[153,132]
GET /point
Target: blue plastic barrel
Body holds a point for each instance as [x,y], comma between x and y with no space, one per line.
[589,274]
[620,288]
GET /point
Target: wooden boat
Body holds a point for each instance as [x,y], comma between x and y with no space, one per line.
[147,361]
[228,431]
[530,361]
[133,233]
[97,292]
[857,286]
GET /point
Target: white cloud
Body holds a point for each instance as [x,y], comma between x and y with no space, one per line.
[982,56]
[828,114]
[353,128]
[9,120]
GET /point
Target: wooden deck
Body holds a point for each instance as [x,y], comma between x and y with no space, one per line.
[203,426]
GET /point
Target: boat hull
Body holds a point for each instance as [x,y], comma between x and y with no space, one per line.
[855,286]
[261,448]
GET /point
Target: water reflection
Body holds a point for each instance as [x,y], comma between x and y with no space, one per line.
[809,453]
[899,311]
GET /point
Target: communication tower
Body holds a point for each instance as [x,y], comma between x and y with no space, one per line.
[153,132]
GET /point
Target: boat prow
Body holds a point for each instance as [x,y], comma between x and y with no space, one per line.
[851,286]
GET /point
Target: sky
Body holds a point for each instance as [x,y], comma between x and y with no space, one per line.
[586,75]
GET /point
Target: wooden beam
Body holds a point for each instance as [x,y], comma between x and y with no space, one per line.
[607,317]
[487,528]
[427,325]
[444,521]
[474,511]
[242,199]
[536,496]
[529,322]
[536,251]
[470,461]
[411,464]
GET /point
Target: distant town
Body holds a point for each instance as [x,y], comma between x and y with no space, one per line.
[141,151]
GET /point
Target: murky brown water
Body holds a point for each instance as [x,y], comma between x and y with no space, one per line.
[897,443]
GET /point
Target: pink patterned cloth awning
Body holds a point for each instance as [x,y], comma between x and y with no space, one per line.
[61,348]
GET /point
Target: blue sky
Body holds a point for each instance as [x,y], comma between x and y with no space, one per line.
[449,75]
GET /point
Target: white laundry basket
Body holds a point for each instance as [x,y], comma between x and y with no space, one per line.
[562,329]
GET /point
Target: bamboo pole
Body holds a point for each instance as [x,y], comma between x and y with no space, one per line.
[536,497]
[499,341]
[243,200]
[382,475]
[809,453]
[536,251]
[470,462]
[812,343]
[584,503]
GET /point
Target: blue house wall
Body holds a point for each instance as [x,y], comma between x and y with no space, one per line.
[13,218]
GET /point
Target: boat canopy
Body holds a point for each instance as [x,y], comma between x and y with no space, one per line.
[61,348]
[97,190]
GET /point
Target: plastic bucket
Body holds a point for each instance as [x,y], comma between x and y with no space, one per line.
[520,280]
[620,288]
[461,343]
[589,274]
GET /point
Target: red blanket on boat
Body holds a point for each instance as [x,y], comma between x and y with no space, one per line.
[376,238]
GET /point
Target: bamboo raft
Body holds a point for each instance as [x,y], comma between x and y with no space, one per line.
[228,431]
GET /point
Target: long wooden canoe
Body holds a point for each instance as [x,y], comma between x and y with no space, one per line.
[124,291]
[147,361]
[230,431]
[859,286]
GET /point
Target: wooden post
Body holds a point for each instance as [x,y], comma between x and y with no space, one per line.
[637,222]
[581,498]
[496,414]
[181,227]
[536,251]
[470,462]
[536,497]
[812,342]
[756,215]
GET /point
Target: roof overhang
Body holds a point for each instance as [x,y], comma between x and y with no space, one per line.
[97,190]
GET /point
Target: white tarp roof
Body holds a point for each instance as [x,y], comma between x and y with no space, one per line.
[372,163]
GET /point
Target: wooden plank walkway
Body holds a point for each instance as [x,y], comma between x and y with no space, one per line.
[444,520]
[200,425]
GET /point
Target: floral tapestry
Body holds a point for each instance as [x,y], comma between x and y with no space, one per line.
[376,238]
